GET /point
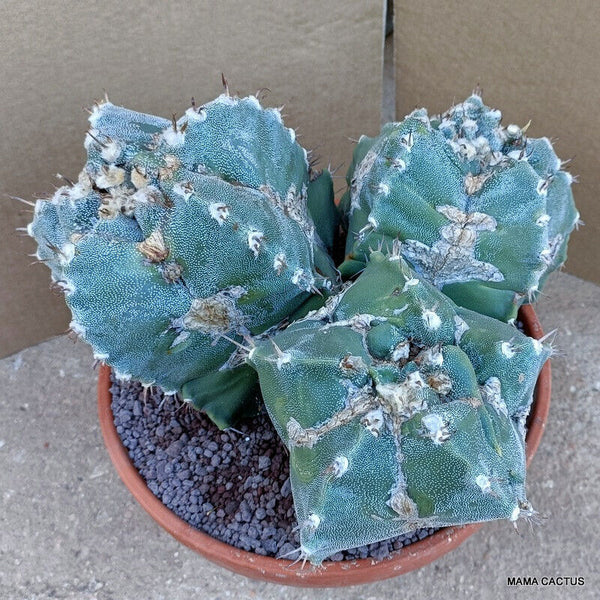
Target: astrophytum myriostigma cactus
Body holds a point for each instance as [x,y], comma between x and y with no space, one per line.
[182,237]
[400,411]
[484,213]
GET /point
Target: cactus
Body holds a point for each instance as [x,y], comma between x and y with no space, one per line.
[484,213]
[182,237]
[400,410]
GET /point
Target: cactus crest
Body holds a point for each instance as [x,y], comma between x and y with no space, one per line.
[400,409]
[182,237]
[483,211]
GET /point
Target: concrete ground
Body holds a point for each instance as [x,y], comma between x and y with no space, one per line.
[70,529]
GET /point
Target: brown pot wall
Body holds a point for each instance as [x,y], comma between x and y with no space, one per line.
[331,574]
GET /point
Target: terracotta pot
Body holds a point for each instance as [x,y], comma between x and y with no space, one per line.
[332,574]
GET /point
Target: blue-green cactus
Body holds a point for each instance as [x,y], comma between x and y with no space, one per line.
[484,213]
[400,411]
[181,238]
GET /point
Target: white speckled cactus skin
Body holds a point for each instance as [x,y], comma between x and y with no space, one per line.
[483,212]
[186,247]
[400,410]
[181,238]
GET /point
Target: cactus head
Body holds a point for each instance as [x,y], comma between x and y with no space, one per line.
[484,213]
[400,411]
[181,238]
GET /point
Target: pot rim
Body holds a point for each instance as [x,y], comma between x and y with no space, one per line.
[331,574]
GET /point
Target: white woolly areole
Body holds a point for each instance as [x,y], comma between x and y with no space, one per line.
[312,521]
[401,351]
[184,189]
[196,115]
[398,163]
[119,201]
[517,155]
[123,376]
[383,188]
[147,195]
[508,349]
[219,212]
[39,204]
[542,187]
[224,99]
[66,287]
[410,283]
[97,111]
[469,126]
[436,427]
[277,114]
[407,141]
[431,319]
[415,380]
[66,254]
[292,134]
[513,131]
[338,467]
[542,220]
[255,239]
[280,263]
[537,346]
[184,335]
[373,422]
[484,483]
[396,253]
[89,140]
[254,101]
[460,326]
[491,392]
[172,137]
[83,186]
[373,221]
[302,279]
[77,328]
[111,151]
[110,176]
[433,357]
[285,358]
[362,170]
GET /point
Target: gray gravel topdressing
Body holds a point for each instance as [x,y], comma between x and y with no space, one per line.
[233,485]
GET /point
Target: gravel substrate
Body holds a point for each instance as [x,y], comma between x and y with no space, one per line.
[233,485]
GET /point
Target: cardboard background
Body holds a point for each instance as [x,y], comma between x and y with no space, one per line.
[535,60]
[322,59]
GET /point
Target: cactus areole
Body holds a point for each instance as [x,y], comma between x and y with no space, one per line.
[483,211]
